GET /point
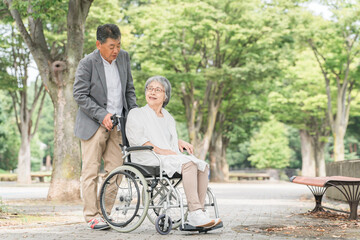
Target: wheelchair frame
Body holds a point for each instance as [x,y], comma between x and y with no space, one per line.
[147,178]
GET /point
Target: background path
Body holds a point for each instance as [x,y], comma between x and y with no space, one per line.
[257,210]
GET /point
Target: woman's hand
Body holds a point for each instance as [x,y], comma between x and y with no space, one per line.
[182,144]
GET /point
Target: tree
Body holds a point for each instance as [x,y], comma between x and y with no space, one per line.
[197,46]
[178,50]
[242,109]
[54,34]
[269,148]
[300,101]
[25,109]
[335,44]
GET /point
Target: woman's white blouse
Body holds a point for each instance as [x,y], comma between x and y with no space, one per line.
[143,125]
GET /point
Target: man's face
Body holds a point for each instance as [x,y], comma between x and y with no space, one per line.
[109,49]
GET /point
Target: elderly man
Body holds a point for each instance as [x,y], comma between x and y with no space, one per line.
[103,87]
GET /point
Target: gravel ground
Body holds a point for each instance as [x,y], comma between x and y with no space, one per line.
[249,210]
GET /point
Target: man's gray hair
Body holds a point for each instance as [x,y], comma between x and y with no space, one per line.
[166,84]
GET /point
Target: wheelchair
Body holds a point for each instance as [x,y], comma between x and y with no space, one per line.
[132,192]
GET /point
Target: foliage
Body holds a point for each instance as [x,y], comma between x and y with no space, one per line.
[238,156]
[9,136]
[208,54]
[45,133]
[102,12]
[7,81]
[269,148]
[249,46]
[295,146]
[300,99]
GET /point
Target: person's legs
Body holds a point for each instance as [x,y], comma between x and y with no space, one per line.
[113,155]
[203,181]
[112,159]
[92,150]
[196,216]
[190,184]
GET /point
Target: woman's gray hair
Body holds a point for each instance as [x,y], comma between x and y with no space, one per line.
[166,84]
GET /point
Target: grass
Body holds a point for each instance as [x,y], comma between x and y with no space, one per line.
[8,176]
[11,217]
[13,176]
[3,208]
[25,219]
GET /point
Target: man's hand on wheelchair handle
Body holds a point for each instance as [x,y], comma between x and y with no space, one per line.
[108,124]
[185,145]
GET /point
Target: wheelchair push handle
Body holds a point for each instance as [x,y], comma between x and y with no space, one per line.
[115,119]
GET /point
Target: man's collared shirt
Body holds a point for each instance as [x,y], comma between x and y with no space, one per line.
[114,97]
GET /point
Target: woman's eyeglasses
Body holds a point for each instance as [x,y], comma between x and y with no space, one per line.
[157,90]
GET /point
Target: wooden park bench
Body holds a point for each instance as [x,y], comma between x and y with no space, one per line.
[348,186]
[40,175]
[248,176]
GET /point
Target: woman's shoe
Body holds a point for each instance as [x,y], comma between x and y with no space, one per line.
[199,219]
[217,222]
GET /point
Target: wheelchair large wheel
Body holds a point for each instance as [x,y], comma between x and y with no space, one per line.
[121,203]
[157,199]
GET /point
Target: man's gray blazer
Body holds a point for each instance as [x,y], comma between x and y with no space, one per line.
[90,92]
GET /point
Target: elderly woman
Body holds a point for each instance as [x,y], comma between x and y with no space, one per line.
[152,125]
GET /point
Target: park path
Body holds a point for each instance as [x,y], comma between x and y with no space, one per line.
[249,210]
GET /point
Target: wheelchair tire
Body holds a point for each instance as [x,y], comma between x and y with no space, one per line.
[124,200]
[161,226]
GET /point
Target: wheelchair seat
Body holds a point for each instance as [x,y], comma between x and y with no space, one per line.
[151,171]
[147,171]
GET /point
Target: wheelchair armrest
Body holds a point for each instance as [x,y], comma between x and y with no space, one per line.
[138,148]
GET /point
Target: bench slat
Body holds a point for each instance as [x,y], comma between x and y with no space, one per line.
[323,181]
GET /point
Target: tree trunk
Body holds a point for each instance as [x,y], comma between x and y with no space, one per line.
[219,168]
[203,148]
[223,163]
[65,181]
[320,160]
[24,158]
[339,121]
[339,147]
[195,114]
[307,154]
[313,157]
[216,174]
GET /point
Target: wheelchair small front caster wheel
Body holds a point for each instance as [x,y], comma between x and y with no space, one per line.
[162,226]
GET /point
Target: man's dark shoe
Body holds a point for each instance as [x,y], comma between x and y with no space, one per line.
[98,224]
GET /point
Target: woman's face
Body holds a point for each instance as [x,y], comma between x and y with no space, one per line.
[155,94]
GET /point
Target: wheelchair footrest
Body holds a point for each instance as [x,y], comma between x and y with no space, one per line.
[188,227]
